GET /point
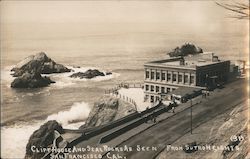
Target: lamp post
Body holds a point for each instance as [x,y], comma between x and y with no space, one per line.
[191,124]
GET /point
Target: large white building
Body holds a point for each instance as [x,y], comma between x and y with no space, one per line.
[197,71]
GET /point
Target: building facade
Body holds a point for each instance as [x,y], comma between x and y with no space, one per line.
[198,71]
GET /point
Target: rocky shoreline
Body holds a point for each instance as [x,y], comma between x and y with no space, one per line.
[29,72]
[105,110]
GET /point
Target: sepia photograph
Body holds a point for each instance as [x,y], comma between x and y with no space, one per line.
[124,79]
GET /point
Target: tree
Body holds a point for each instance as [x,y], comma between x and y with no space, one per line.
[241,9]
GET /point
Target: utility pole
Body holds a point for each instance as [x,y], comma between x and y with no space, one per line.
[191,116]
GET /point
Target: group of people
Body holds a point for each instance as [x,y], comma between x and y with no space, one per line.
[205,94]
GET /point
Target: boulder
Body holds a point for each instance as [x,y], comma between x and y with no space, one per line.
[31,80]
[39,63]
[107,109]
[42,138]
[184,50]
[104,111]
[108,73]
[88,74]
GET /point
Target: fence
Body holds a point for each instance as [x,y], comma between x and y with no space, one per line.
[124,85]
[125,98]
[114,92]
[157,110]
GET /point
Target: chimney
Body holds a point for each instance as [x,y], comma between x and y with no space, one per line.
[182,61]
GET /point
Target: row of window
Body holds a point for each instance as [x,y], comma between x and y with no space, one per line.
[163,77]
[152,98]
[158,89]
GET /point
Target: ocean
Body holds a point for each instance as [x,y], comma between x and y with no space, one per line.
[70,100]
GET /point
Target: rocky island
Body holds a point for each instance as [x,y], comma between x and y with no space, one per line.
[89,74]
[29,70]
[31,80]
[39,63]
[184,50]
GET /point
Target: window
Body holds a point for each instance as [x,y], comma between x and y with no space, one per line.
[192,79]
[163,76]
[185,78]
[162,89]
[168,76]
[173,89]
[174,77]
[157,88]
[147,87]
[179,78]
[157,75]
[151,99]
[152,75]
[152,88]
[168,90]
[147,74]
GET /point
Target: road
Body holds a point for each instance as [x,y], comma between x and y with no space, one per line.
[171,129]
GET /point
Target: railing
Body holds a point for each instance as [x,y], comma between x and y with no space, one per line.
[124,85]
[125,98]
[114,92]
[145,115]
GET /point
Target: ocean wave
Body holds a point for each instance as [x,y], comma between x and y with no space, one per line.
[15,137]
[77,113]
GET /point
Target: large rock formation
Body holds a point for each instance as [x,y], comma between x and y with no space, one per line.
[106,110]
[31,80]
[42,138]
[88,74]
[185,50]
[39,63]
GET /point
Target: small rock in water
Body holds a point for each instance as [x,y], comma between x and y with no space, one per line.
[108,73]
[88,74]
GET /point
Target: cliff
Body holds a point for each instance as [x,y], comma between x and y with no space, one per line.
[41,138]
[106,110]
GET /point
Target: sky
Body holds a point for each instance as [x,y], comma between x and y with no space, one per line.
[189,15]
[43,19]
[110,11]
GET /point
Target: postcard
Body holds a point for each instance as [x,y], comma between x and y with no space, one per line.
[124,79]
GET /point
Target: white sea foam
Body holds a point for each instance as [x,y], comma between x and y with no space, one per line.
[78,112]
[15,137]
[6,75]
[62,79]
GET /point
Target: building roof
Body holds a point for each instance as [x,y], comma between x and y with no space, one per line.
[187,62]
